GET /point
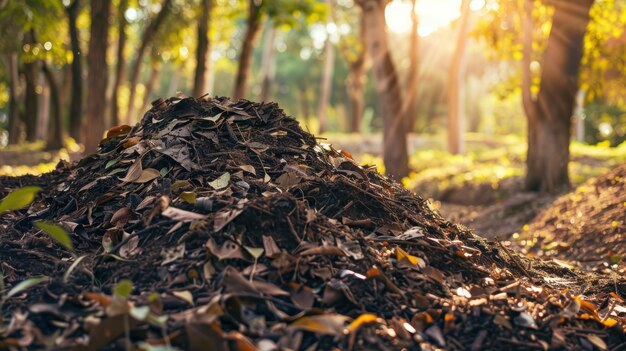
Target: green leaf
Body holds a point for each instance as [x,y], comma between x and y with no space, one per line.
[26,284]
[57,233]
[221,182]
[123,288]
[69,271]
[19,198]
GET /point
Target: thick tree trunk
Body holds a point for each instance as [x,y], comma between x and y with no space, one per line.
[97,74]
[549,116]
[146,39]
[31,100]
[267,62]
[120,68]
[412,78]
[456,107]
[14,108]
[155,74]
[245,58]
[55,133]
[76,103]
[395,155]
[202,51]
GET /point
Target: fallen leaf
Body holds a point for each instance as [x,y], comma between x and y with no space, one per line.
[221,182]
[184,295]
[248,168]
[147,175]
[19,198]
[228,249]
[134,172]
[57,233]
[365,318]
[322,324]
[181,215]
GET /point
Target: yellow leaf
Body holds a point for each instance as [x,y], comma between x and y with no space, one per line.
[321,324]
[188,196]
[365,318]
[184,295]
[414,260]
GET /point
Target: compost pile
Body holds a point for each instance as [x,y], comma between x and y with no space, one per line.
[222,225]
[587,225]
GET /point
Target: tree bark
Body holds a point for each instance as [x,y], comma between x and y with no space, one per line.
[76,103]
[357,78]
[55,133]
[395,155]
[120,69]
[146,39]
[326,86]
[456,107]
[31,101]
[155,74]
[245,58]
[14,108]
[304,104]
[97,74]
[267,62]
[43,111]
[549,115]
[202,51]
[412,79]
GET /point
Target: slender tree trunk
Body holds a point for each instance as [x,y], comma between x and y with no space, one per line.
[456,107]
[55,134]
[14,108]
[120,68]
[202,51]
[549,115]
[304,104]
[357,78]
[76,103]
[146,39]
[412,79]
[97,74]
[395,155]
[155,74]
[174,81]
[245,58]
[43,112]
[267,62]
[327,80]
[31,107]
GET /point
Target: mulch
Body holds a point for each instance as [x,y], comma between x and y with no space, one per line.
[221,225]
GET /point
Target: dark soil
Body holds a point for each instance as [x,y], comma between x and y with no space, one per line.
[239,232]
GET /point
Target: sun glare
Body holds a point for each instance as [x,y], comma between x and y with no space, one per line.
[432,15]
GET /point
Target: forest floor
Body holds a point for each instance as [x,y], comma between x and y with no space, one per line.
[264,240]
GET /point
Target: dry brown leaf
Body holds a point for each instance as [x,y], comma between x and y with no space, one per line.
[147,175]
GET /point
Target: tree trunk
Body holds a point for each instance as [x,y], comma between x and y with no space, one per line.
[120,68]
[155,74]
[549,116]
[14,108]
[412,79]
[146,39]
[245,58]
[97,74]
[202,51]
[76,103]
[174,81]
[43,112]
[267,62]
[304,104]
[327,80]
[456,106]
[357,78]
[31,107]
[395,155]
[55,133]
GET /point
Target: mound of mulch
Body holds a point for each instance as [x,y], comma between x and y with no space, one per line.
[587,225]
[222,225]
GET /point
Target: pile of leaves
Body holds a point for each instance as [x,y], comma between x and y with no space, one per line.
[587,226]
[222,225]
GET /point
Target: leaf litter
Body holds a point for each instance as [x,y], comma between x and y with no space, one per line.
[234,230]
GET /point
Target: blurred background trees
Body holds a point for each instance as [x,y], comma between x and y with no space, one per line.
[411,70]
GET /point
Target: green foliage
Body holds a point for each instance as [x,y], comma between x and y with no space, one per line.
[26,284]
[19,198]
[57,233]
[123,289]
